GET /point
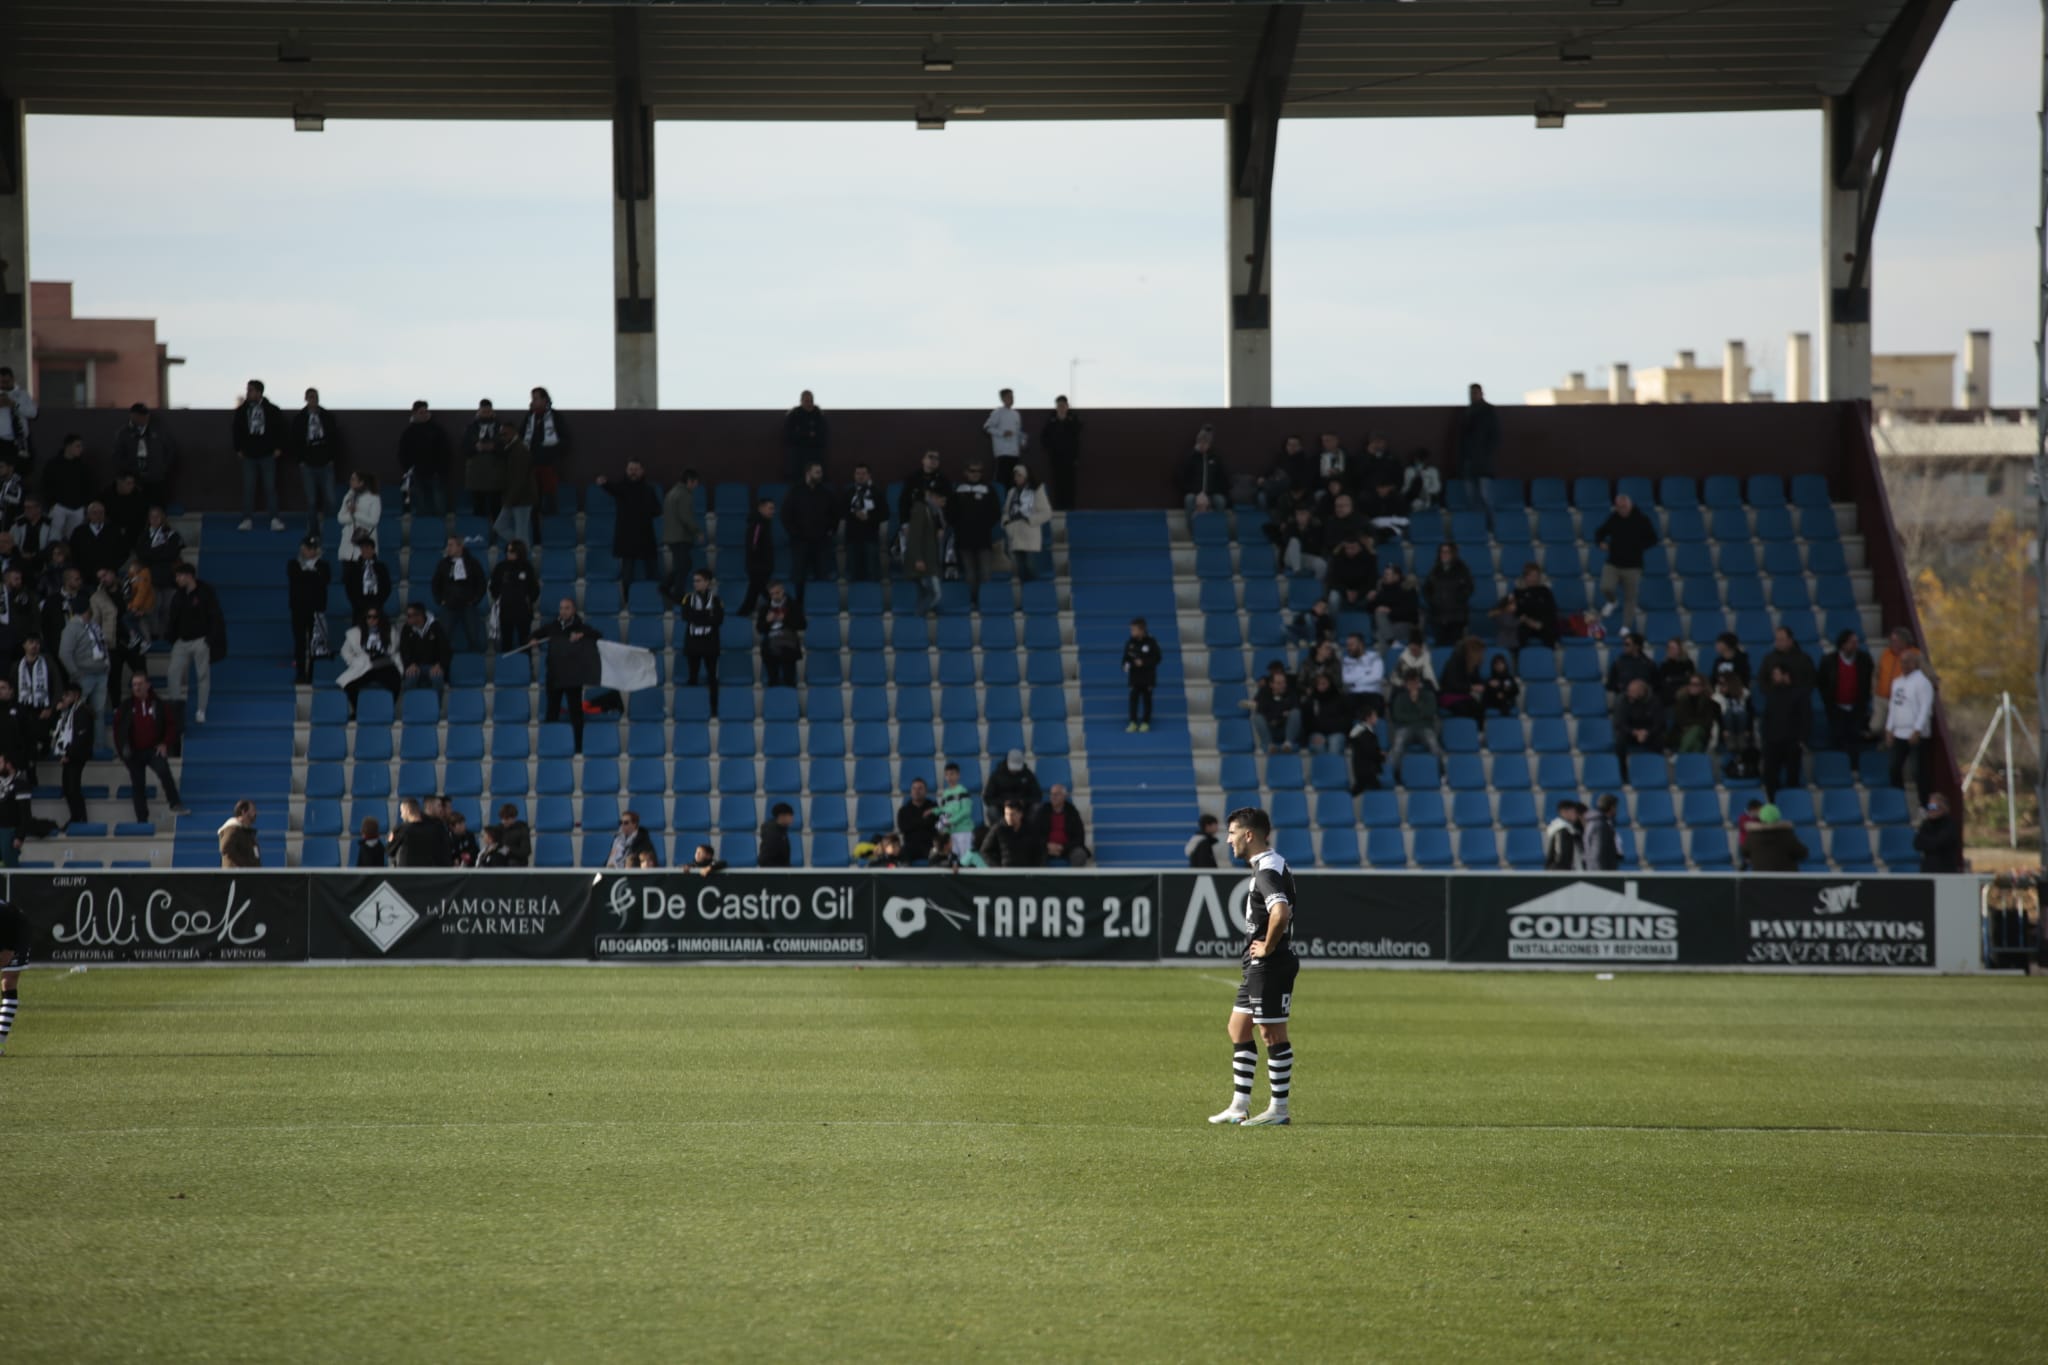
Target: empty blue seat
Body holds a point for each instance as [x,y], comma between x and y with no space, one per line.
[1476,848]
[1654,809]
[1648,770]
[1426,810]
[1420,771]
[1294,845]
[1796,804]
[737,814]
[1841,806]
[1888,806]
[1465,772]
[1385,848]
[1543,700]
[1329,772]
[1849,846]
[1663,849]
[1710,851]
[1549,737]
[1380,810]
[1470,809]
[1432,848]
[1556,772]
[1283,772]
[553,815]
[1895,846]
[1288,810]
[1601,772]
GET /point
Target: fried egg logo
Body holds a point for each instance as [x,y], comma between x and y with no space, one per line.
[905,915]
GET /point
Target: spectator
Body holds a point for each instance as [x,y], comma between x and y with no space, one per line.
[1642,721]
[1730,658]
[1910,723]
[759,553]
[425,460]
[127,510]
[459,587]
[1738,728]
[1027,511]
[1414,721]
[145,448]
[865,516]
[1204,482]
[885,853]
[1462,693]
[1626,536]
[1142,657]
[1326,716]
[365,582]
[956,813]
[370,844]
[774,843]
[1005,429]
[238,838]
[1673,670]
[1290,478]
[1341,518]
[1396,607]
[1896,645]
[521,493]
[1059,829]
[1695,715]
[1939,839]
[317,441]
[307,577]
[1010,843]
[32,535]
[145,729]
[1751,817]
[1415,661]
[424,651]
[258,436]
[114,610]
[705,861]
[1367,761]
[17,410]
[1631,665]
[1012,781]
[1501,692]
[1773,844]
[1364,675]
[369,657]
[1060,439]
[361,510]
[1351,576]
[483,455]
[1321,661]
[924,538]
[639,517]
[703,623]
[491,854]
[67,487]
[681,531]
[810,516]
[565,680]
[975,509]
[1790,659]
[1843,681]
[160,547]
[1787,721]
[1206,852]
[199,637]
[71,741]
[922,480]
[515,593]
[1599,842]
[546,433]
[1422,487]
[1478,444]
[1562,849]
[1276,714]
[514,836]
[1382,467]
[1332,462]
[420,840]
[1448,591]
[96,544]
[917,821]
[629,843]
[463,849]
[83,651]
[780,624]
[1301,543]
[806,437]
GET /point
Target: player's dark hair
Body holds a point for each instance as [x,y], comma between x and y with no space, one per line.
[782,808]
[1253,819]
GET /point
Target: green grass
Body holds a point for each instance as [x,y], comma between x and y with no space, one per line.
[658,1164]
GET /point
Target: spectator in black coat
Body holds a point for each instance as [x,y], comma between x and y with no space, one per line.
[307,578]
[1642,721]
[636,538]
[1631,665]
[420,840]
[806,438]
[1351,575]
[424,654]
[1012,780]
[1788,657]
[423,461]
[780,623]
[974,509]
[1478,444]
[1301,539]
[66,486]
[1011,842]
[1060,439]
[1289,477]
[483,458]
[317,441]
[1787,722]
[548,441]
[1843,681]
[1142,657]
[145,448]
[703,615]
[1204,482]
[922,480]
[1674,670]
[366,582]
[199,637]
[774,850]
[810,515]
[160,548]
[866,515]
[127,509]
[515,593]
[1396,607]
[459,588]
[1327,714]
[759,553]
[1730,657]
[258,436]
[1501,692]
[1940,839]
[1535,608]
[1059,829]
[98,544]
[565,679]
[1627,535]
[1448,591]
[917,823]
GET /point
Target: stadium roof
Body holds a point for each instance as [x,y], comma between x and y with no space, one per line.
[698,59]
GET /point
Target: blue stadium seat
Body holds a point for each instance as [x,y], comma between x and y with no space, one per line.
[1294,845]
[1548,737]
[1663,850]
[1543,700]
[1888,806]
[1710,852]
[313,852]
[1841,806]
[1460,735]
[1518,809]
[1796,804]
[1556,772]
[1385,848]
[1895,846]
[1511,772]
[1329,772]
[1648,770]
[737,814]
[1601,772]
[1471,809]
[554,850]
[553,815]
[1849,847]
[1340,848]
[1547,494]
[1420,771]
[1464,772]
[1379,810]
[1288,810]
[1476,848]
[1654,810]
[1426,810]
[1432,848]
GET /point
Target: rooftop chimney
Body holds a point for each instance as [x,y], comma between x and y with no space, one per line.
[1735,373]
[1977,371]
[1685,360]
[1799,368]
[1576,380]
[1618,390]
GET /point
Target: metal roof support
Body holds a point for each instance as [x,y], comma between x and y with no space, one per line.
[2041,460]
[1252,130]
[14,310]
[634,353]
[1859,129]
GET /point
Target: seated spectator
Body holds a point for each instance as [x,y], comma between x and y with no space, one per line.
[1599,843]
[917,821]
[1774,845]
[1535,608]
[1383,468]
[1730,658]
[1314,626]
[1326,716]
[1939,839]
[369,658]
[1290,474]
[1302,543]
[460,585]
[630,842]
[1367,762]
[779,622]
[1642,721]
[1341,518]
[1364,674]
[1204,482]
[1206,852]
[1385,512]
[1502,692]
[1627,535]
[1276,714]
[1787,656]
[370,844]
[514,836]
[888,853]
[1013,780]
[1421,484]
[1465,680]
[1350,576]
[1844,683]
[160,547]
[97,543]
[1415,661]
[774,841]
[1059,829]
[1631,665]
[1414,721]
[1785,725]
[1673,670]
[1695,715]
[424,653]
[1448,593]
[705,861]
[1320,662]
[462,843]
[1332,462]
[366,582]
[1011,843]
[1562,849]
[1396,607]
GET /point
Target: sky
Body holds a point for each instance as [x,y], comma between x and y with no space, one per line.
[885,267]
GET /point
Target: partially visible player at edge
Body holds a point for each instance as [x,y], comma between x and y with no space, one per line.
[1270,965]
[14,941]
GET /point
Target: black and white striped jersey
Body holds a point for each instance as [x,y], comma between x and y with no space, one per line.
[1272,882]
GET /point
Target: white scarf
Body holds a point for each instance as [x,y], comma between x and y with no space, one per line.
[701,601]
[32,681]
[369,578]
[98,638]
[160,536]
[546,423]
[67,722]
[459,568]
[256,418]
[373,640]
[314,431]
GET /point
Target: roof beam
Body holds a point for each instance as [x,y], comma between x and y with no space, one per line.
[1868,129]
[1255,141]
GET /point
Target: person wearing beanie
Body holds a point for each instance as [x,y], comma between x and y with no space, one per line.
[1773,844]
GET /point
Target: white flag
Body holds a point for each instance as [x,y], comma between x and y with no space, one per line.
[627,668]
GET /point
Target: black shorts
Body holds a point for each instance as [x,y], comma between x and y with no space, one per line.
[14,936]
[1267,992]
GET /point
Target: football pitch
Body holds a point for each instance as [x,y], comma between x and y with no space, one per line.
[513,1164]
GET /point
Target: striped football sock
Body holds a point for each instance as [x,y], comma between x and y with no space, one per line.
[1244,1065]
[10,1001]
[1280,1074]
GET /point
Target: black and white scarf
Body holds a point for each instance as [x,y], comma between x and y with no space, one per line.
[160,536]
[374,643]
[544,425]
[370,578]
[256,418]
[701,601]
[98,638]
[32,682]
[458,569]
[66,730]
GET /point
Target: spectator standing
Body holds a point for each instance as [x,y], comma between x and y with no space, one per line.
[780,622]
[1422,487]
[515,595]
[424,653]
[85,654]
[1027,512]
[491,854]
[1142,657]
[865,515]
[17,411]
[1364,675]
[145,729]
[1059,829]
[1939,839]
[546,434]
[975,509]
[67,487]
[759,553]
[1788,658]
[317,441]
[366,582]
[96,544]
[1326,716]
[1333,462]
[521,493]
[634,532]
[370,850]
[483,458]
[1478,444]
[1774,844]
[917,821]
[1738,728]
[1501,692]
[1005,429]
[1896,645]
[922,480]
[1673,670]
[424,463]
[1206,852]
[1626,536]
[565,685]
[1844,683]
[1366,759]
[703,621]
[1751,817]
[1910,723]
[1276,714]
[238,838]
[1787,723]
[1060,439]
[1204,482]
[681,530]
[1730,658]
[1342,520]
[127,509]
[258,437]
[199,637]
[369,658]
[1011,843]
[1414,721]
[956,814]
[1600,842]
[810,516]
[923,543]
[463,848]
[1448,591]
[420,840]
[307,577]
[1562,851]
[1013,780]
[459,587]
[1396,607]
[32,535]
[1289,477]
[361,510]
[1695,716]
[806,437]
[145,448]
[71,741]
[774,842]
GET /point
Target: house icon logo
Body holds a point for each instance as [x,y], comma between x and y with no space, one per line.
[1586,923]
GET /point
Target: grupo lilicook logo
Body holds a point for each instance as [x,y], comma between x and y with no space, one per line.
[1586,923]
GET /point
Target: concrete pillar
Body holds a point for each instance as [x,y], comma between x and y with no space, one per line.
[1735,373]
[1799,368]
[1618,388]
[14,269]
[1249,365]
[1845,312]
[636,375]
[1977,371]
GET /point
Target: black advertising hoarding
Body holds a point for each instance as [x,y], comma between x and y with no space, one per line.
[1850,922]
[164,917]
[1343,916]
[451,915]
[1594,920]
[990,917]
[670,916]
